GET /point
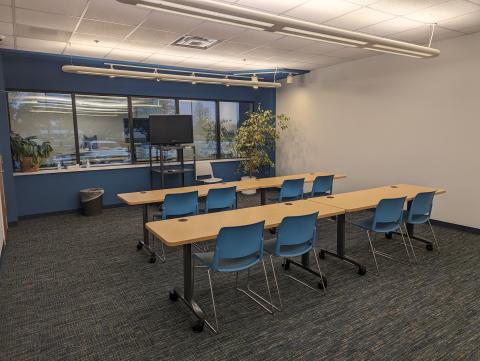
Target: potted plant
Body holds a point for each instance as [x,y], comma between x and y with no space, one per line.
[29,152]
[255,139]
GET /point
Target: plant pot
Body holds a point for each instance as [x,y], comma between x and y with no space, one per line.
[250,192]
[27,165]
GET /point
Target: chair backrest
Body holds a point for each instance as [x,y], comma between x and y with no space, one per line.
[203,169]
[291,189]
[322,185]
[221,199]
[388,214]
[238,247]
[180,204]
[296,235]
[421,207]
[229,171]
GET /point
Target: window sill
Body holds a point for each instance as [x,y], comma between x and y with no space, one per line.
[106,167]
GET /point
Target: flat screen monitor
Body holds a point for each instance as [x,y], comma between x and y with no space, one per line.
[171,129]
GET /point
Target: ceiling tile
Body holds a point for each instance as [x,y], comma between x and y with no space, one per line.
[218,31]
[391,26]
[421,36]
[6,14]
[255,37]
[351,53]
[291,43]
[7,42]
[359,19]
[170,22]
[133,46]
[113,11]
[6,2]
[181,51]
[266,52]
[104,28]
[34,32]
[321,11]
[272,6]
[153,37]
[320,47]
[70,7]
[469,23]
[228,48]
[45,20]
[94,40]
[444,11]
[196,62]
[44,46]
[127,55]
[363,2]
[6,28]
[312,58]
[163,59]
[403,7]
[87,50]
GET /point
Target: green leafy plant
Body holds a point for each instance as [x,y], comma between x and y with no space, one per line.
[256,137]
[28,147]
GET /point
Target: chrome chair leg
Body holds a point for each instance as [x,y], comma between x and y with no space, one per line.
[434,237]
[405,244]
[373,251]
[319,270]
[214,329]
[276,283]
[410,242]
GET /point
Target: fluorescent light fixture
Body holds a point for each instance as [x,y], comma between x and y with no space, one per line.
[394,52]
[421,54]
[323,35]
[264,21]
[205,14]
[155,75]
[316,39]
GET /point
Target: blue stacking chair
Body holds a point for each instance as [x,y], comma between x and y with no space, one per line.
[419,213]
[177,205]
[237,249]
[322,186]
[221,199]
[387,218]
[296,236]
[292,189]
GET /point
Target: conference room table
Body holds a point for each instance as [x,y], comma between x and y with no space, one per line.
[201,228]
[368,199]
[152,197]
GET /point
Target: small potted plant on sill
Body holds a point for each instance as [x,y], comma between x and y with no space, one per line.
[255,139]
[29,152]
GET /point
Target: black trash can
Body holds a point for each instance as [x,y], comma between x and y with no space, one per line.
[91,200]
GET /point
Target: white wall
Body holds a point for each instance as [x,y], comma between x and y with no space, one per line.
[392,119]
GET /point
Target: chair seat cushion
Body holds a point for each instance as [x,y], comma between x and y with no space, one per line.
[212,180]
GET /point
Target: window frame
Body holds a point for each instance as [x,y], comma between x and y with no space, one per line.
[133,159]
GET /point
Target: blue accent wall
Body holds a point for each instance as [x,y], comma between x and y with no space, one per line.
[37,194]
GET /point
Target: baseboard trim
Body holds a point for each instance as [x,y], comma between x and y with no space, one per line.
[455,226]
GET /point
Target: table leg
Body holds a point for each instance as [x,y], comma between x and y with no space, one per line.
[362,270]
[146,237]
[305,265]
[187,296]
[263,196]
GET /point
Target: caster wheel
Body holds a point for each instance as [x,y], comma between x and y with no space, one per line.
[321,255]
[429,247]
[286,265]
[320,285]
[273,230]
[362,271]
[389,235]
[173,296]
[139,246]
[153,259]
[198,326]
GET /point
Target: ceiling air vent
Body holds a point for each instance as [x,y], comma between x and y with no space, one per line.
[196,42]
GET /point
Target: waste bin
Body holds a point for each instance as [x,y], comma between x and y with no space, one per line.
[91,200]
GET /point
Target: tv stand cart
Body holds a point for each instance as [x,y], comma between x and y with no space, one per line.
[170,159]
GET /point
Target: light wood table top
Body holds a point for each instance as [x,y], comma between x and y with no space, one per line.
[369,198]
[204,227]
[157,196]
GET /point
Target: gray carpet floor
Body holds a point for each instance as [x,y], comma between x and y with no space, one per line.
[75,288]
